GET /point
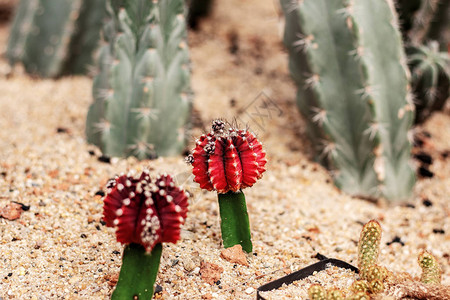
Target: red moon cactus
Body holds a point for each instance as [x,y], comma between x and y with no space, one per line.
[145,211]
[227,159]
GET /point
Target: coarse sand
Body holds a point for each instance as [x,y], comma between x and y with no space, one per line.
[59,249]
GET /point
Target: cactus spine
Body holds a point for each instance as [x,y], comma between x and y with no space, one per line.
[352,89]
[47,36]
[141,106]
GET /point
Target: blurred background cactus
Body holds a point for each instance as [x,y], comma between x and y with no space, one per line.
[425,26]
[55,37]
[348,62]
[142,105]
[430,80]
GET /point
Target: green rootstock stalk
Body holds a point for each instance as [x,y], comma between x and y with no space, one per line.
[138,273]
[141,106]
[234,224]
[54,37]
[352,88]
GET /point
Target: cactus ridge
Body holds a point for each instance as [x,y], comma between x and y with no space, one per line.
[353,92]
[142,104]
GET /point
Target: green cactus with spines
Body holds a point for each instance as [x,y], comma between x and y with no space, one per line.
[431,271]
[376,286]
[376,272]
[317,292]
[141,93]
[368,247]
[86,37]
[359,286]
[352,89]
[55,37]
[430,78]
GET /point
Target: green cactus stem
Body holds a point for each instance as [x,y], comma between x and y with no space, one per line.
[55,37]
[138,273]
[431,271]
[235,224]
[368,247]
[352,89]
[141,102]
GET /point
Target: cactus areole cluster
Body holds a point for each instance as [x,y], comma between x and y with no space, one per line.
[228,160]
[145,212]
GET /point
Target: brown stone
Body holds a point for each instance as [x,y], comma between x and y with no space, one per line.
[11,211]
[235,255]
[210,272]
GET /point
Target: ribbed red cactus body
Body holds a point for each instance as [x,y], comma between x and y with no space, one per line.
[227,159]
[145,211]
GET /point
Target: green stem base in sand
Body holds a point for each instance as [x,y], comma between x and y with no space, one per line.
[234,224]
[138,273]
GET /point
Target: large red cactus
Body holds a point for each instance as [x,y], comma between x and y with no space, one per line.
[145,211]
[227,159]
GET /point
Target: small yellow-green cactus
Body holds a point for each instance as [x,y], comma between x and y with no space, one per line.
[335,294]
[368,246]
[376,272]
[359,286]
[431,271]
[376,286]
[317,292]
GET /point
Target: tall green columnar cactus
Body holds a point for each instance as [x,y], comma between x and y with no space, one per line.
[52,37]
[141,93]
[348,62]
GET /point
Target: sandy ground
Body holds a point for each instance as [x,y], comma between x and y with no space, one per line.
[59,249]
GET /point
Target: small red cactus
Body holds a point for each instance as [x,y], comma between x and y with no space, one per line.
[227,159]
[145,211]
